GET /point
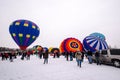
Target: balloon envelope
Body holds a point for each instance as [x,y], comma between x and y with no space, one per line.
[93,43]
[70,44]
[37,47]
[50,48]
[45,48]
[55,50]
[24,32]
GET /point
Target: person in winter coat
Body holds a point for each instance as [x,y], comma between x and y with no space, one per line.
[97,57]
[67,56]
[28,55]
[78,56]
[71,56]
[11,57]
[41,53]
[83,53]
[89,56]
[23,55]
[45,56]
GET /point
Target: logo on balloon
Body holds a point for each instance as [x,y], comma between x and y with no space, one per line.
[74,45]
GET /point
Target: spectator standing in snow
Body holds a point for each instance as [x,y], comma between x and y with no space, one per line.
[23,55]
[54,54]
[78,56]
[40,52]
[97,57]
[11,57]
[71,56]
[83,53]
[45,56]
[89,56]
[67,55]
[3,56]
[28,55]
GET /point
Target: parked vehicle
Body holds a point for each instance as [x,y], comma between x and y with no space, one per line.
[110,56]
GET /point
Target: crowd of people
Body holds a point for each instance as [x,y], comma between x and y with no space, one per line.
[8,54]
[44,54]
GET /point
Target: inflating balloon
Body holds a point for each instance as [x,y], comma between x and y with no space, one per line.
[24,32]
[71,44]
[93,43]
[37,47]
[54,50]
[50,48]
[45,48]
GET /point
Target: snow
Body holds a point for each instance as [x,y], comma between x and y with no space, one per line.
[56,69]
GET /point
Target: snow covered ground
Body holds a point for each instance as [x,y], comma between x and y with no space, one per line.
[56,69]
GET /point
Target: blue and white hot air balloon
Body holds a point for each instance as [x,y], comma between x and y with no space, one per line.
[94,43]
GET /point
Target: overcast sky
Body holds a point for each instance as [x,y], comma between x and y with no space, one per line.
[60,19]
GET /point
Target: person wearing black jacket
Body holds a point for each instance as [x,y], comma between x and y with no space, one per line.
[45,56]
[97,57]
[89,56]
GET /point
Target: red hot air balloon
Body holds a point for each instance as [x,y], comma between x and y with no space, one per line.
[71,44]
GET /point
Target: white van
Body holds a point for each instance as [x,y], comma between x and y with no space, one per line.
[110,56]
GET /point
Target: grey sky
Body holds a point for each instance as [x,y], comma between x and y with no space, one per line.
[60,19]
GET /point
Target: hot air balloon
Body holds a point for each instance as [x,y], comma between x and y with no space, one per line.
[24,32]
[37,48]
[71,44]
[55,52]
[94,43]
[45,48]
[49,49]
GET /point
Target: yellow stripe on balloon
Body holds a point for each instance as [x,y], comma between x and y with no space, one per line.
[33,27]
[17,23]
[20,35]
[28,36]
[14,34]
[25,24]
[33,37]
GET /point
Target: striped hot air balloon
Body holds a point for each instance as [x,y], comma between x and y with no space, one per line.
[94,43]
